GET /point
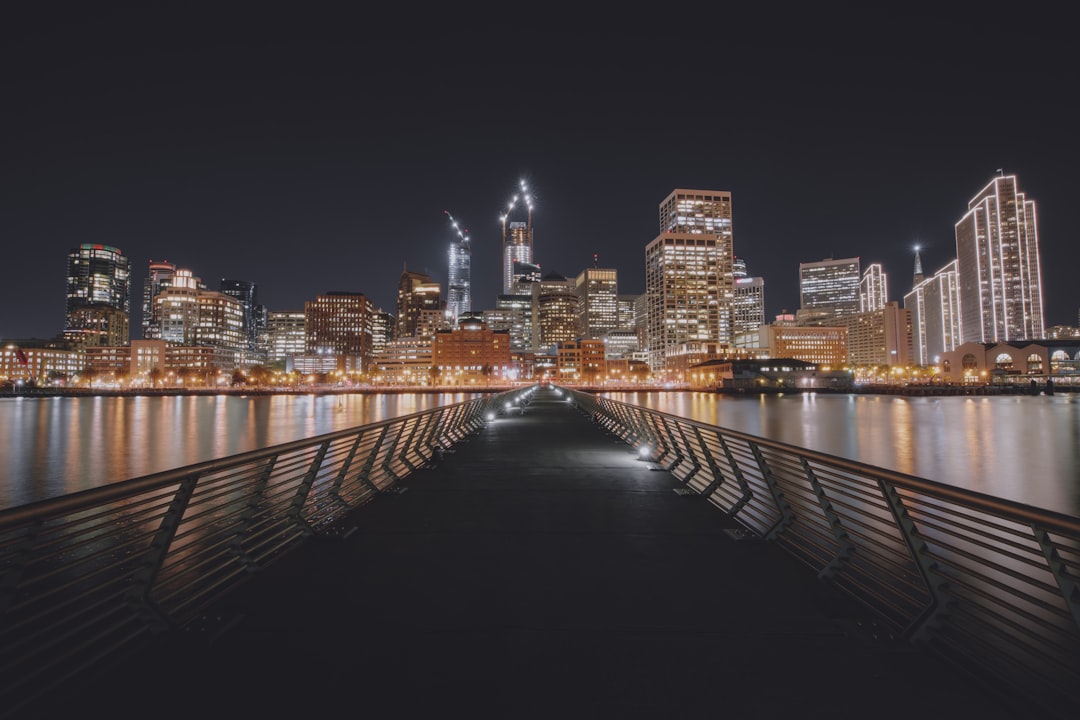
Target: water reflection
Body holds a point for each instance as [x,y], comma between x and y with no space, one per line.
[1022,448]
[56,446]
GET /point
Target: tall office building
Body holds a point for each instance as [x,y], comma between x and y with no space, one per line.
[98,310]
[598,302]
[286,335]
[748,313]
[934,304]
[828,289]
[555,311]
[418,298]
[997,264]
[689,273]
[459,281]
[159,276]
[247,293]
[873,288]
[340,324]
[517,239]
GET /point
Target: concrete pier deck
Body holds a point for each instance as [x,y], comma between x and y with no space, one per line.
[540,570]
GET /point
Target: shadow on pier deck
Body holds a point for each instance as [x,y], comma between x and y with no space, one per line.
[539,570]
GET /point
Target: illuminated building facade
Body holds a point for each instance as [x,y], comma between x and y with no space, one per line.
[418,298]
[879,337]
[555,311]
[816,344]
[517,239]
[514,314]
[247,293]
[581,361]
[471,354]
[159,276]
[340,324]
[286,335]
[459,284]
[997,265]
[873,288]
[689,273]
[98,308]
[828,289]
[934,305]
[598,302]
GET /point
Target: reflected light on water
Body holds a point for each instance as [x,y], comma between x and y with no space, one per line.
[57,446]
[1022,448]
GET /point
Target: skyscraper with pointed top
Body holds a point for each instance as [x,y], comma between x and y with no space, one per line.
[517,239]
[918,276]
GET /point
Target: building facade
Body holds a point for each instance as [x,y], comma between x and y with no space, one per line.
[98,310]
[828,289]
[689,273]
[997,265]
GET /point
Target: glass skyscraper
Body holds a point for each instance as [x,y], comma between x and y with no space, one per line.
[98,308]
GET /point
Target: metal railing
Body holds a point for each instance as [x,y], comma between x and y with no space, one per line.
[989,585]
[88,574]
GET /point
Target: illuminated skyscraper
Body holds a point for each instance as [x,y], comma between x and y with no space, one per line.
[828,289]
[997,265]
[459,285]
[419,300]
[935,315]
[749,305]
[517,244]
[247,293]
[689,276]
[98,296]
[873,288]
[598,302]
[340,324]
[158,277]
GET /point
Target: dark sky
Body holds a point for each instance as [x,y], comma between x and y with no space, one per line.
[310,149]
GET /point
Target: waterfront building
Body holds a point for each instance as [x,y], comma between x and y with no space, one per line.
[879,337]
[44,362]
[286,335]
[621,344]
[934,305]
[404,361]
[689,276]
[1016,361]
[339,323]
[418,295]
[517,239]
[766,374]
[470,354]
[873,288]
[823,345]
[159,275]
[98,309]
[580,361]
[998,270]
[555,311]
[828,289]
[597,290]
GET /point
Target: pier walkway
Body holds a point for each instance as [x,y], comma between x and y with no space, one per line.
[540,570]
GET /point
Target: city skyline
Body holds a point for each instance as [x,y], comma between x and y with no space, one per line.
[311,166]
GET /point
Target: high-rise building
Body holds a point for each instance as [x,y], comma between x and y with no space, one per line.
[997,265]
[598,302]
[459,282]
[689,274]
[873,288]
[158,277]
[419,299]
[517,240]
[98,308]
[340,324]
[247,293]
[555,312]
[748,310]
[285,330]
[934,304]
[828,289]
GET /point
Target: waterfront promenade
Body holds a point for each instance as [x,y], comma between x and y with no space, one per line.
[539,570]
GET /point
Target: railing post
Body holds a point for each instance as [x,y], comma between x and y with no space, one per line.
[922,627]
[787,515]
[1070,590]
[304,488]
[714,469]
[365,473]
[139,595]
[843,540]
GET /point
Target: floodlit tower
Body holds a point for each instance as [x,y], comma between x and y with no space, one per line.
[518,244]
[458,290]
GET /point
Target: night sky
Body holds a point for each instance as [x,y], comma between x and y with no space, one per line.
[313,150]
